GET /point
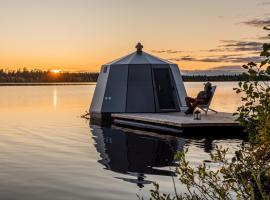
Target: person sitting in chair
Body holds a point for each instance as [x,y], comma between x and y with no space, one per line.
[203,97]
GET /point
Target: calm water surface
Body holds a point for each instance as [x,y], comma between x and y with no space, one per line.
[48,152]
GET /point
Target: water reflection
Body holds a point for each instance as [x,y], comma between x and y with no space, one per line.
[205,144]
[136,153]
[54,97]
[53,156]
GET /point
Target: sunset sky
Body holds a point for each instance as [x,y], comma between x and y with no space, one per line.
[81,35]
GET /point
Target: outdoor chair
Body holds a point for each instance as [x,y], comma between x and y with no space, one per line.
[206,107]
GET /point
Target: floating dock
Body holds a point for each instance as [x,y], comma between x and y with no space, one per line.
[174,122]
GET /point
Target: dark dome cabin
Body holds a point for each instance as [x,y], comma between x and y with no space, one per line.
[138,83]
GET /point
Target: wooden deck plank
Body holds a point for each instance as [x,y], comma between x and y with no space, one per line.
[180,119]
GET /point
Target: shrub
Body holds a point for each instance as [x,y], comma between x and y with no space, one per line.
[247,174]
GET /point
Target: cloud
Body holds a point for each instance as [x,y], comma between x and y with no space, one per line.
[233,45]
[215,71]
[226,46]
[228,67]
[220,58]
[230,51]
[263,3]
[236,46]
[258,22]
[169,51]
[264,37]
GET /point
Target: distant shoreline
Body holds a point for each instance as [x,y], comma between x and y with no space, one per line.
[39,78]
[94,83]
[80,83]
[46,84]
[185,79]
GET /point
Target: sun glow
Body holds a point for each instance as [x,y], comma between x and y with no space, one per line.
[56,71]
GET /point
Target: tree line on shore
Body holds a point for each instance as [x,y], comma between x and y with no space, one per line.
[236,77]
[49,76]
[38,76]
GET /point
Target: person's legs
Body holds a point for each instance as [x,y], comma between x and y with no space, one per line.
[189,101]
[193,105]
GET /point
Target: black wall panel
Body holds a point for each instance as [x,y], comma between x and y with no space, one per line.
[116,89]
[140,95]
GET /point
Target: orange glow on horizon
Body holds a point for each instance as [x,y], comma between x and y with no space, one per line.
[56,71]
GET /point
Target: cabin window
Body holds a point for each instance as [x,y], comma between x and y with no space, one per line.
[105,69]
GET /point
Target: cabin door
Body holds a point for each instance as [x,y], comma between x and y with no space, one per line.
[165,93]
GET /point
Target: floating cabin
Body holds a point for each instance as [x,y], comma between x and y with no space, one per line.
[138,83]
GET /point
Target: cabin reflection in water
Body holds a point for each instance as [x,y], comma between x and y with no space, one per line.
[136,153]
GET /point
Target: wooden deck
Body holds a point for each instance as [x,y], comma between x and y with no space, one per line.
[175,120]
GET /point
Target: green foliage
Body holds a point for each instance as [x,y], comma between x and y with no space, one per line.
[255,111]
[247,174]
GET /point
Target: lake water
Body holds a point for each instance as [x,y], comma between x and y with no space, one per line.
[48,152]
